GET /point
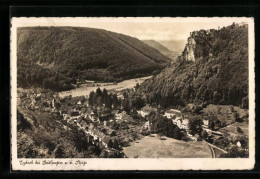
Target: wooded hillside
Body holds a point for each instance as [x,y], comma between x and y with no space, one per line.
[219,74]
[54,57]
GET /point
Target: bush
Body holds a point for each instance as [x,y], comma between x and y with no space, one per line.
[234,152]
[239,130]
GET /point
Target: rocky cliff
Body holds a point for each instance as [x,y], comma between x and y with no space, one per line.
[188,53]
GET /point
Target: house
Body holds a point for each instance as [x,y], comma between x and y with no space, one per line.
[53,102]
[205,124]
[83,124]
[38,96]
[55,111]
[120,115]
[147,125]
[47,109]
[105,141]
[127,118]
[191,106]
[178,121]
[145,111]
[105,112]
[172,113]
[238,144]
[196,137]
[185,124]
[79,103]
[73,115]
[120,96]
[89,114]
[83,111]
[217,133]
[208,131]
[66,117]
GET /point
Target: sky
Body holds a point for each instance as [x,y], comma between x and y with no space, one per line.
[143,28]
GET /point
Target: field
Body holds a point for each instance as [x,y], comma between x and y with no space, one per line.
[217,153]
[223,113]
[153,147]
[232,129]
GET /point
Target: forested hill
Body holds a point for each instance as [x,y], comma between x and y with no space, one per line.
[54,57]
[218,74]
[162,49]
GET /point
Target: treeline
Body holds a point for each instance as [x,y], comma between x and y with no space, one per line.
[127,102]
[98,98]
[218,76]
[33,75]
[85,53]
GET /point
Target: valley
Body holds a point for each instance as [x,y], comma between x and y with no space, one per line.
[92,93]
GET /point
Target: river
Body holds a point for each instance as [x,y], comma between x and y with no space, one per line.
[84,89]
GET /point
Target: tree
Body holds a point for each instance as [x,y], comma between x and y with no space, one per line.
[204,134]
[160,135]
[198,109]
[108,101]
[239,130]
[59,152]
[195,125]
[115,101]
[245,102]
[99,92]
[237,117]
[234,152]
[221,142]
[137,102]
[91,98]
[137,86]
[126,105]
[164,126]
[211,125]
[99,101]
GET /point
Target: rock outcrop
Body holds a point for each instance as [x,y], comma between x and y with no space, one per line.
[188,53]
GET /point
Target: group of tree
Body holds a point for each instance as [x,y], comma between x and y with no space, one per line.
[195,125]
[132,100]
[215,123]
[33,75]
[103,97]
[164,126]
[100,97]
[235,152]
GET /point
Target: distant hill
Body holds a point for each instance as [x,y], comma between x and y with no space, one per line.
[156,45]
[55,57]
[213,69]
[173,45]
[162,49]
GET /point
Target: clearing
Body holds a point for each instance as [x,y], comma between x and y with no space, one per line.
[153,147]
[232,129]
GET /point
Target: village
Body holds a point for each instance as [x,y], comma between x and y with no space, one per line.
[112,127]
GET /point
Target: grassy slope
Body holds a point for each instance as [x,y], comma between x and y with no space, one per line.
[153,147]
